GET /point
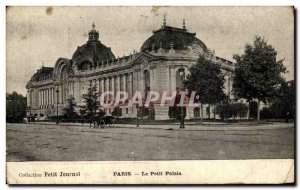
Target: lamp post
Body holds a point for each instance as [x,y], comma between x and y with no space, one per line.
[181,73]
[57,96]
[197,99]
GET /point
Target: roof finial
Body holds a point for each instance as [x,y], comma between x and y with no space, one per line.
[93,26]
[183,24]
[164,23]
[43,64]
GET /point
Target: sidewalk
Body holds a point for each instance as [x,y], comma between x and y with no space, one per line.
[193,126]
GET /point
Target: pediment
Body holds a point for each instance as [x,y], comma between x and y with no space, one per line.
[142,59]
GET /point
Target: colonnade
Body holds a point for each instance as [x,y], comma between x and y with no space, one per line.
[129,82]
[47,96]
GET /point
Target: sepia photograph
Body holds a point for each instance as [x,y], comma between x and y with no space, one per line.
[103,86]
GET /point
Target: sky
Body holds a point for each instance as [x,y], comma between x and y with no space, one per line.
[37,36]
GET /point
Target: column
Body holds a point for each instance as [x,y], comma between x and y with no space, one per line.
[27,97]
[52,96]
[129,85]
[45,97]
[168,79]
[42,97]
[102,85]
[124,78]
[46,103]
[98,85]
[138,79]
[55,95]
[173,79]
[39,94]
[154,76]
[77,91]
[113,85]
[61,94]
[30,102]
[134,81]
[48,96]
[118,83]
[142,81]
[48,100]
[107,87]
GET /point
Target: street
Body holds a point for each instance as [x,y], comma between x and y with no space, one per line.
[50,142]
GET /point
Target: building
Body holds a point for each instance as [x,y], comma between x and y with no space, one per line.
[155,67]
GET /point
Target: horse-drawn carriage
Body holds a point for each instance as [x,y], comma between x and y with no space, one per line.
[104,121]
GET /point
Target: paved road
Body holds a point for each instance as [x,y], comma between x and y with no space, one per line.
[44,142]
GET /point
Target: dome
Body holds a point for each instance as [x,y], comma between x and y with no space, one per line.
[177,38]
[93,51]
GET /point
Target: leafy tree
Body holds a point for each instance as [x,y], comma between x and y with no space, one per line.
[258,73]
[287,99]
[15,107]
[207,79]
[92,104]
[280,105]
[69,110]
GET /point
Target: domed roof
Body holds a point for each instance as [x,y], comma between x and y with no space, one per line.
[177,38]
[93,51]
[42,74]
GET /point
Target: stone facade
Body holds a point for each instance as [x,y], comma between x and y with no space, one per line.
[155,68]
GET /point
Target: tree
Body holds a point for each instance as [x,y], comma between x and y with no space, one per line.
[15,107]
[207,79]
[258,73]
[282,104]
[92,104]
[69,110]
[286,100]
